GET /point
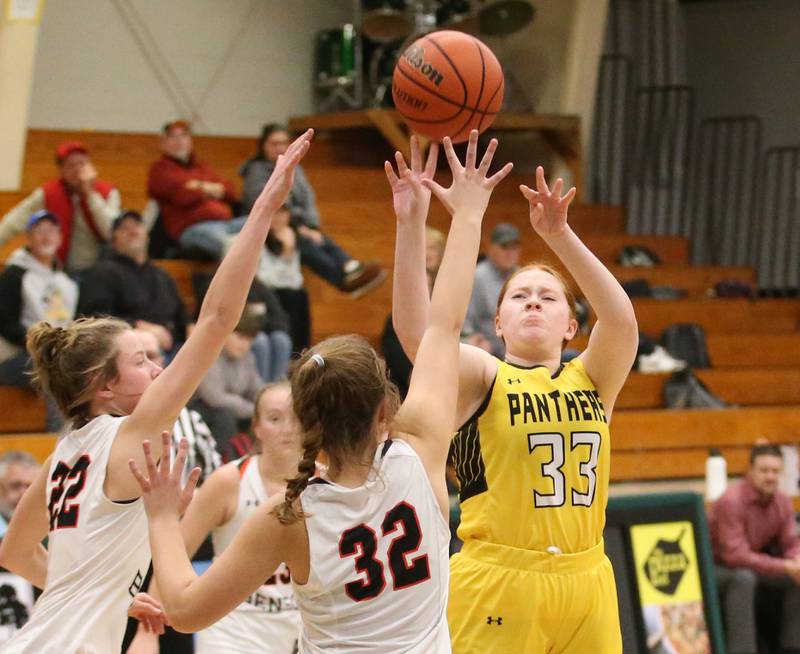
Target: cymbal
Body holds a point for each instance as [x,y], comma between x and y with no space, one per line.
[504,17]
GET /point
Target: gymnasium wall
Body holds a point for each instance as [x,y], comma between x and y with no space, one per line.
[241,63]
[91,74]
[742,59]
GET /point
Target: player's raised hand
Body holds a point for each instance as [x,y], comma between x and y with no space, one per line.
[161,488]
[548,209]
[410,198]
[277,188]
[471,188]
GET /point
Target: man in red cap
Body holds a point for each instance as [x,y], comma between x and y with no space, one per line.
[85,207]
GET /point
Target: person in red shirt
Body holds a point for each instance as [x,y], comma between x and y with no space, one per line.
[195,201]
[755,543]
[84,205]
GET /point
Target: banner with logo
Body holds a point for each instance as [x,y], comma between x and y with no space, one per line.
[670,591]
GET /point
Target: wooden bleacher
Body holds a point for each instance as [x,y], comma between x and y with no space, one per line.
[754,346]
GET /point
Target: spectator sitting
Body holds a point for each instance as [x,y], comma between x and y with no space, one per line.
[398,364]
[280,270]
[32,288]
[272,346]
[194,201]
[317,250]
[226,397]
[83,204]
[754,537]
[17,472]
[126,285]
[502,259]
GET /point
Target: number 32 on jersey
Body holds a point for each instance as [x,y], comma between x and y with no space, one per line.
[552,449]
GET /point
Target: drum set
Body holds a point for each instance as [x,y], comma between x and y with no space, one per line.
[353,64]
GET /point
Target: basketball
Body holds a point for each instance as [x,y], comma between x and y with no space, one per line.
[447,83]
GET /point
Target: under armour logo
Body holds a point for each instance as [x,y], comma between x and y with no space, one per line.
[514,381]
[491,620]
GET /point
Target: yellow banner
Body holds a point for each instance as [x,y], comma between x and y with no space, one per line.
[666,563]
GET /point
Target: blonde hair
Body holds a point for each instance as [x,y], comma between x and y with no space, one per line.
[72,363]
[337,388]
[550,270]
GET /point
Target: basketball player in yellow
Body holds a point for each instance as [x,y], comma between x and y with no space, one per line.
[532,453]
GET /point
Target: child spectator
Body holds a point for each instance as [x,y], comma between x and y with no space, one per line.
[226,397]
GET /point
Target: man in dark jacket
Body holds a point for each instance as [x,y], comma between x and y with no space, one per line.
[126,285]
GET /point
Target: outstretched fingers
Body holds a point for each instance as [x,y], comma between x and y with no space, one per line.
[569,197]
[541,183]
[500,175]
[450,154]
[416,155]
[401,164]
[144,482]
[486,161]
[472,150]
[433,156]
[390,174]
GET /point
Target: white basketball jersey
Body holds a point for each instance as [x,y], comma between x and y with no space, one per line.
[268,621]
[379,562]
[98,552]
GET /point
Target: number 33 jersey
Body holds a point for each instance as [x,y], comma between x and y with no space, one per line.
[533,462]
[98,552]
[379,562]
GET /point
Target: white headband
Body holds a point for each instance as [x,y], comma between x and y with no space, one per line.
[317,358]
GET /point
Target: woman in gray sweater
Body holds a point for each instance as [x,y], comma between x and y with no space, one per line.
[317,250]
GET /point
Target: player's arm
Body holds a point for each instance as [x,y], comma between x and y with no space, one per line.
[411,201]
[428,414]
[193,602]
[221,310]
[615,336]
[410,295]
[212,506]
[21,549]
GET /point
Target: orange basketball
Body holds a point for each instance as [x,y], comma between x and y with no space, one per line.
[447,83]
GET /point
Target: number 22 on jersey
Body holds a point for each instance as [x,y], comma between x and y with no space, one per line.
[362,543]
[63,506]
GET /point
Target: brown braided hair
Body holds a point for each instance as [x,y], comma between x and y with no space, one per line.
[335,403]
[71,363]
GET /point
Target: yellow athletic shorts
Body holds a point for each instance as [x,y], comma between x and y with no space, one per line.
[505,600]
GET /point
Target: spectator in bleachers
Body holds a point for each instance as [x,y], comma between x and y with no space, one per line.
[280,270]
[84,205]
[502,259]
[755,542]
[33,287]
[317,250]
[126,285]
[226,396]
[17,471]
[272,346]
[195,202]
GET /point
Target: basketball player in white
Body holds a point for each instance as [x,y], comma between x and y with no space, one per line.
[86,502]
[367,541]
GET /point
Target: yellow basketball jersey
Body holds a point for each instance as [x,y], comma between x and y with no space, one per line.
[533,462]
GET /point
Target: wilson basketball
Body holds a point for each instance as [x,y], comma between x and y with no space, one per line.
[447,83]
